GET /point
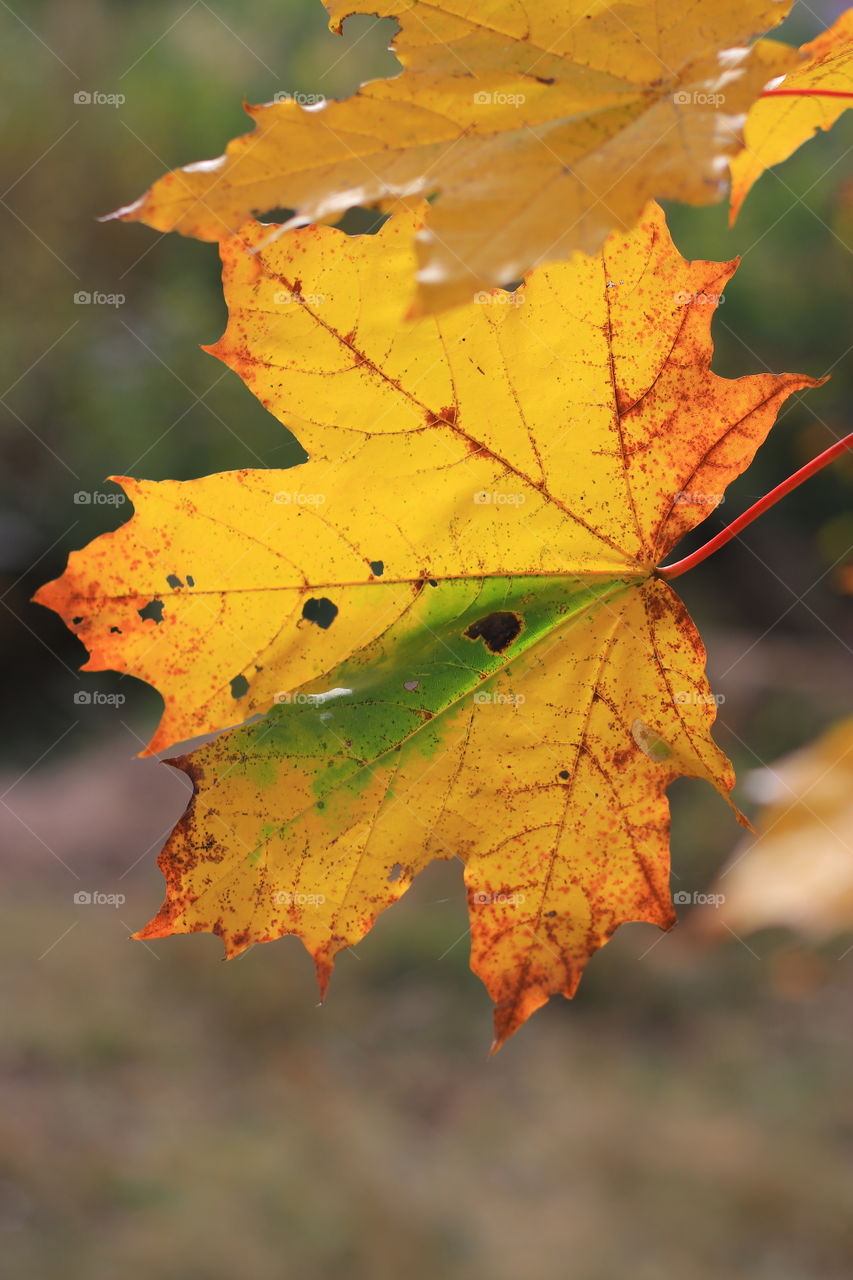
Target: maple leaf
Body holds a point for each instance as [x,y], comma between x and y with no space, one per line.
[798,870]
[807,99]
[539,129]
[454,601]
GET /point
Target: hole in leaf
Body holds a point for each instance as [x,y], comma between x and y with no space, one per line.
[239,687]
[395,872]
[152,611]
[174,581]
[497,630]
[377,568]
[320,610]
[564,773]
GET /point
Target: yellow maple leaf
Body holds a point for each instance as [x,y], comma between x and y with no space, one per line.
[454,603]
[809,98]
[582,406]
[539,129]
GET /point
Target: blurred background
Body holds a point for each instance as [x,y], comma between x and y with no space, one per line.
[689,1115]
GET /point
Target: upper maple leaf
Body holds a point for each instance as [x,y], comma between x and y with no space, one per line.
[454,601]
[810,98]
[539,128]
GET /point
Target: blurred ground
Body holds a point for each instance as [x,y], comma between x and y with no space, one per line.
[689,1115]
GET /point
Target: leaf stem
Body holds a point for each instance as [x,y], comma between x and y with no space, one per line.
[806,93]
[671,571]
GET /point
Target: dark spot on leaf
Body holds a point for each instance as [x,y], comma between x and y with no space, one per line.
[76,621]
[115,631]
[239,687]
[497,630]
[174,581]
[550,913]
[190,580]
[153,611]
[395,872]
[564,773]
[448,414]
[377,567]
[321,804]
[320,610]
[544,79]
[432,582]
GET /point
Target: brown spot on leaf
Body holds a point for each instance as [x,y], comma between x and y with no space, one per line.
[153,611]
[320,610]
[449,414]
[497,630]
